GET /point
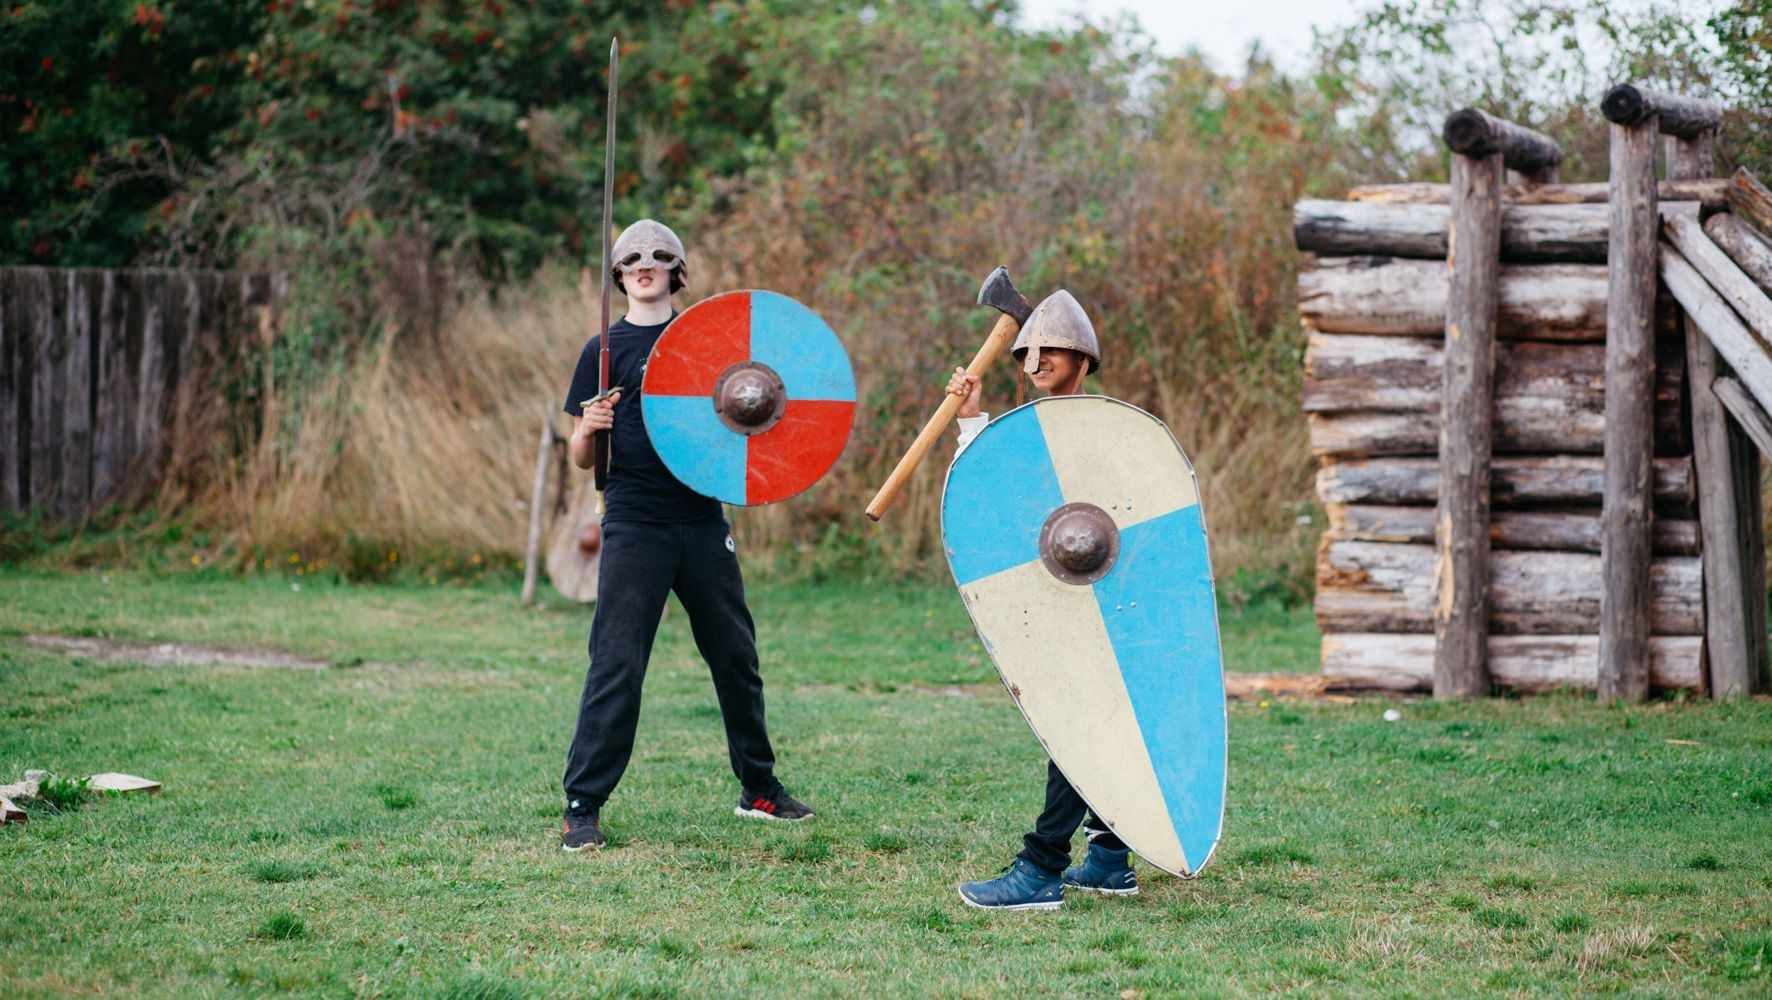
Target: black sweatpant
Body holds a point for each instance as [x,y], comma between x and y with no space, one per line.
[1049,846]
[642,564]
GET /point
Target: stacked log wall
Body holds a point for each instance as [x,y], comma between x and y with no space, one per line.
[1373,303]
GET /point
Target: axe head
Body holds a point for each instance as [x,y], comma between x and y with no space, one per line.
[999,293]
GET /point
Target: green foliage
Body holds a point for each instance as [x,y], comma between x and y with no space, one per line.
[282,925]
[62,794]
[93,95]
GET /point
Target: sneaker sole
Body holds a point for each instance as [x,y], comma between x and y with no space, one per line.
[582,848]
[760,814]
[1102,890]
[1053,905]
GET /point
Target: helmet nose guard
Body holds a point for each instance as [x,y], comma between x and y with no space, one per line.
[646,237]
[1058,321]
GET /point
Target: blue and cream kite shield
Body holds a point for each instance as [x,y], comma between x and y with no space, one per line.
[1073,528]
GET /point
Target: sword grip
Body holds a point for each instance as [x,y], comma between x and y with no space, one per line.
[994,345]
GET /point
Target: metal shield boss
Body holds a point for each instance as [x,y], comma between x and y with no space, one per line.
[1073,529]
[748,397]
[1058,321]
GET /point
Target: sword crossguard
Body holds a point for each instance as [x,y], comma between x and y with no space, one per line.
[600,397]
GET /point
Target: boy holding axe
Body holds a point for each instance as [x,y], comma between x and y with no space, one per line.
[1056,348]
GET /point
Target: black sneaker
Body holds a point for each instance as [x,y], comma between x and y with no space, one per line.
[779,805]
[582,833]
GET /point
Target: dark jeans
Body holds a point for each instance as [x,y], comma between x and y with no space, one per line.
[642,564]
[1049,846]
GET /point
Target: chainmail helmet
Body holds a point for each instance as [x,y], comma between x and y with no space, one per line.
[1058,321]
[650,242]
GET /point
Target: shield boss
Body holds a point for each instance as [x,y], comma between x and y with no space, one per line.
[750,397]
[1079,543]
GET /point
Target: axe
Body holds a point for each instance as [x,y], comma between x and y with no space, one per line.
[999,293]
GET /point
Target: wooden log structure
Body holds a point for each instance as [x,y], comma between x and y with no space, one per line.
[1387,587]
[1589,350]
[1516,482]
[1630,106]
[1558,233]
[1484,148]
[1390,296]
[1477,135]
[1630,336]
[1526,663]
[1746,246]
[1539,530]
[1362,401]
[1717,297]
[1711,193]
[1750,199]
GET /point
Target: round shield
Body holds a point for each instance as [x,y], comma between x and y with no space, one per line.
[1073,529]
[748,397]
[575,547]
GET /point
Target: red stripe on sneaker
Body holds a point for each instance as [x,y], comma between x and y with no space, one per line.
[764,804]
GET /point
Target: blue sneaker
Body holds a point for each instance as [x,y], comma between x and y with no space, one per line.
[1104,870]
[1022,886]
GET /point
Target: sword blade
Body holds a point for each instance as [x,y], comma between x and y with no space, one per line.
[600,443]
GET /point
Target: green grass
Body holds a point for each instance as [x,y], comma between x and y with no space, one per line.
[394,832]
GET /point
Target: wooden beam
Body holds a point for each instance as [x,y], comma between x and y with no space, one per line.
[1630,106]
[1467,426]
[1721,272]
[1574,234]
[1515,481]
[1478,136]
[1746,411]
[1750,199]
[1404,662]
[1711,193]
[1388,296]
[1629,445]
[1746,246]
[1387,587]
[1530,530]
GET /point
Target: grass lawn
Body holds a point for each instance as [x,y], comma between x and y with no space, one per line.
[362,830]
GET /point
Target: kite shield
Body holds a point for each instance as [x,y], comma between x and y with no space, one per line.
[1073,529]
[748,397]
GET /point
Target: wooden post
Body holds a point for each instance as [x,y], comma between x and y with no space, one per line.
[1461,536]
[1728,519]
[532,550]
[1630,378]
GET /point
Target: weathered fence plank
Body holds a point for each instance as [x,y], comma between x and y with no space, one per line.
[1391,296]
[1711,193]
[93,367]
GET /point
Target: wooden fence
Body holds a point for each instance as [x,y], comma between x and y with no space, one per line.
[96,367]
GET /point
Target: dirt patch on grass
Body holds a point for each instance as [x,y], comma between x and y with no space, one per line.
[178,654]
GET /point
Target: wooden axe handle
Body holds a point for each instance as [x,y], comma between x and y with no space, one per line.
[1002,335]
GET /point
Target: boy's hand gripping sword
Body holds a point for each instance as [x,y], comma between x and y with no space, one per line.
[998,292]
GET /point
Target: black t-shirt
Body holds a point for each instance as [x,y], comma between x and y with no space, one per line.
[640,487]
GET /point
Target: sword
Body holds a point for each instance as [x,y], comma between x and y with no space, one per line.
[600,440]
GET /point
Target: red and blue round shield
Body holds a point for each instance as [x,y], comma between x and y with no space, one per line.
[1073,528]
[748,397]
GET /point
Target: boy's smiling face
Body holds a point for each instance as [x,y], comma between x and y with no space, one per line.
[1060,372]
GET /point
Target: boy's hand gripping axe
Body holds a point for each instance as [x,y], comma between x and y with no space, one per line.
[999,293]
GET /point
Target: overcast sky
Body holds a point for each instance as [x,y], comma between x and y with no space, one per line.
[1221,30]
